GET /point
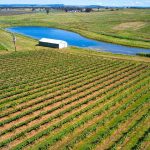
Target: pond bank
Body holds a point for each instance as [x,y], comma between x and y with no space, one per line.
[75,39]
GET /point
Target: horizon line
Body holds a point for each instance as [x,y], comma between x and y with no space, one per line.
[78,5]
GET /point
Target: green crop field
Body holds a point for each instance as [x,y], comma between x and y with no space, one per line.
[73,98]
[52,99]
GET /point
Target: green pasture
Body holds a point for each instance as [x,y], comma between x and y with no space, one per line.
[125,26]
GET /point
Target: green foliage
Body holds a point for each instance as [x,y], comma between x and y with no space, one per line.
[144,54]
[2,47]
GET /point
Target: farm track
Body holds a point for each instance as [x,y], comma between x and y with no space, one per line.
[52,100]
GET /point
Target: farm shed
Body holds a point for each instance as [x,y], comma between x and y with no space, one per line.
[52,43]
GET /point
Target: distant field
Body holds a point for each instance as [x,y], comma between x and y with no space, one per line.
[127,26]
[14,12]
[52,99]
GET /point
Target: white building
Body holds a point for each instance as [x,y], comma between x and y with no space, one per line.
[52,43]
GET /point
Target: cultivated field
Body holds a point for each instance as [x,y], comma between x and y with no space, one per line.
[75,98]
[125,26]
[14,12]
[51,99]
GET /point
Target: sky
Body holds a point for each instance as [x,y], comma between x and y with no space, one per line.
[82,2]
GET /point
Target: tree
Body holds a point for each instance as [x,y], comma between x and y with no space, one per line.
[66,10]
[33,9]
[88,9]
[47,10]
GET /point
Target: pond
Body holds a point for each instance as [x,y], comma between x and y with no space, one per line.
[75,39]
